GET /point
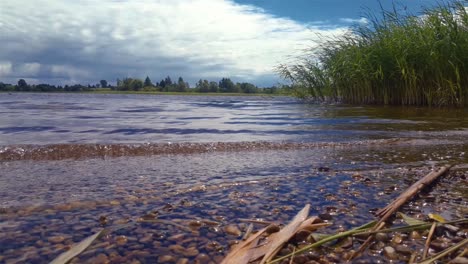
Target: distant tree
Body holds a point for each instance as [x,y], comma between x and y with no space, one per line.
[203,86]
[248,88]
[227,86]
[214,87]
[22,83]
[148,82]
[136,84]
[168,81]
[162,83]
[181,85]
[103,83]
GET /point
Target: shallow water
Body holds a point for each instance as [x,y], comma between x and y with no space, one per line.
[68,159]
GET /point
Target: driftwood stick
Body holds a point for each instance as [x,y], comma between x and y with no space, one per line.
[387,211]
[428,240]
[391,208]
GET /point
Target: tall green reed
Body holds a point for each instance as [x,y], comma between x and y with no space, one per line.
[398,59]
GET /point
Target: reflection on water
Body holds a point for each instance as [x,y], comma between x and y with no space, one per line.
[84,118]
[67,161]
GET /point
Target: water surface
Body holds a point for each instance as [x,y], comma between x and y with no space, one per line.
[67,160]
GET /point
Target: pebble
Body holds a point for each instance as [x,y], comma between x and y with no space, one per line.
[383,237]
[121,240]
[166,259]
[415,235]
[232,230]
[202,258]
[100,259]
[404,250]
[191,252]
[146,239]
[56,239]
[397,239]
[176,237]
[459,260]
[390,252]
[183,261]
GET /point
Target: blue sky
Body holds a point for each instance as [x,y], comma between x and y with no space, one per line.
[84,41]
[331,11]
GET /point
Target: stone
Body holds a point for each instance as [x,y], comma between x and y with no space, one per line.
[459,260]
[56,239]
[232,230]
[166,259]
[390,253]
[383,237]
[121,240]
[183,261]
[191,252]
[202,258]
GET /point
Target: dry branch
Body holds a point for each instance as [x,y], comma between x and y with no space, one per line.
[386,212]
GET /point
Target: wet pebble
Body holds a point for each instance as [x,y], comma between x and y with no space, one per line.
[121,240]
[390,253]
[383,237]
[459,260]
[415,235]
[191,252]
[404,250]
[397,239]
[56,239]
[183,261]
[202,258]
[232,230]
[99,259]
[166,259]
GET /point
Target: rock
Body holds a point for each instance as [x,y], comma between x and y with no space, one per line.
[56,239]
[301,259]
[114,202]
[166,259]
[272,229]
[121,240]
[195,224]
[202,258]
[397,239]
[177,249]
[383,237]
[100,259]
[232,230]
[191,252]
[390,253]
[404,250]
[146,239]
[459,260]
[415,235]
[176,237]
[325,216]
[183,261]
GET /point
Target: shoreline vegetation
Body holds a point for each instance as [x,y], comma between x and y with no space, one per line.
[137,86]
[394,59]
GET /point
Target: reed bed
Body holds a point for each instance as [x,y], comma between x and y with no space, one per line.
[395,59]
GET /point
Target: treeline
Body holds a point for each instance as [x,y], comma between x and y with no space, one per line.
[397,59]
[225,85]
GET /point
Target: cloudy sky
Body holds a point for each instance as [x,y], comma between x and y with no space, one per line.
[84,41]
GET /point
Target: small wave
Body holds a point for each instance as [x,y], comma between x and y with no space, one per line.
[10,130]
[87,151]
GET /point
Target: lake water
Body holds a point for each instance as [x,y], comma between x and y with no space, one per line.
[68,161]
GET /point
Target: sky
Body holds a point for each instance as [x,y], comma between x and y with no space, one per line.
[84,41]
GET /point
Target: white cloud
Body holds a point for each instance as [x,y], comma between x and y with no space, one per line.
[5,68]
[361,20]
[29,69]
[108,38]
